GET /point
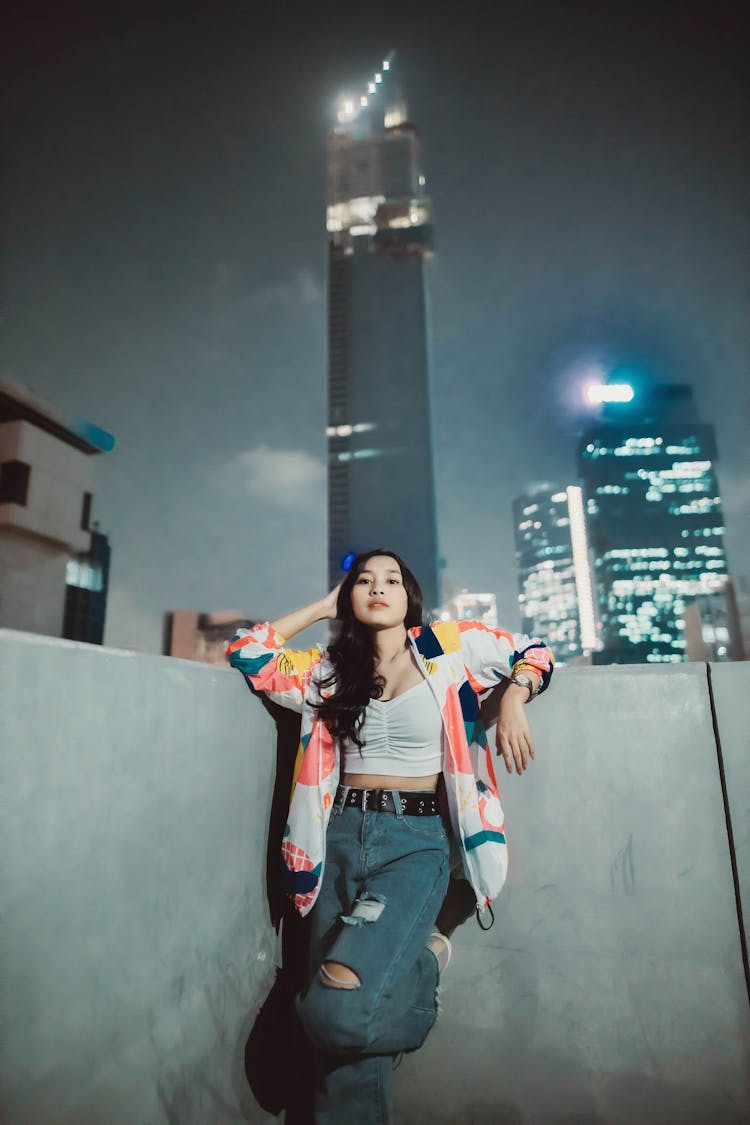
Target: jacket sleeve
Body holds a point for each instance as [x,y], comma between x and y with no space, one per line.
[493,654]
[283,674]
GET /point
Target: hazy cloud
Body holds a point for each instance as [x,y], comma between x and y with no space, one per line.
[289,477]
[231,303]
[302,288]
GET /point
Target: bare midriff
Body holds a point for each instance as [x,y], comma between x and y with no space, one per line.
[385,781]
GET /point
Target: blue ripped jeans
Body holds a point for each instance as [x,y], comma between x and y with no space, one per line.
[385,878]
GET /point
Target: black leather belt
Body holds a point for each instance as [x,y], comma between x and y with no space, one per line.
[383,800]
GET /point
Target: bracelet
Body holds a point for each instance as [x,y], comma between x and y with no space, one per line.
[524,681]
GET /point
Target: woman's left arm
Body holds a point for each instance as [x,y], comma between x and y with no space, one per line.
[493,655]
[512,734]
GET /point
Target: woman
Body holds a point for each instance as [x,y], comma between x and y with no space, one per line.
[388,711]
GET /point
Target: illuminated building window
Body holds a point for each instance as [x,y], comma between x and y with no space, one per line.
[83,575]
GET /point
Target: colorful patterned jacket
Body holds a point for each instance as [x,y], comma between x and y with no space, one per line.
[460,660]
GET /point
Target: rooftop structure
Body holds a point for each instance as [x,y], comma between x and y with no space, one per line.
[46,496]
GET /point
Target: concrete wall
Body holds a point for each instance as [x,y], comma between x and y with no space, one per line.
[729,687]
[136,938]
[611,987]
[137,944]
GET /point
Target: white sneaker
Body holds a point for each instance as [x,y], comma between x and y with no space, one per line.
[439,944]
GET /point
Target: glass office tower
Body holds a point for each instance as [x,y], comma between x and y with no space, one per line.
[655,522]
[554,577]
[380,468]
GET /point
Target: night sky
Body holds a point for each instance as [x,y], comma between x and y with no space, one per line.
[165,262]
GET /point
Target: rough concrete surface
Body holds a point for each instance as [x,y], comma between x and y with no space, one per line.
[136,938]
[137,944]
[610,988]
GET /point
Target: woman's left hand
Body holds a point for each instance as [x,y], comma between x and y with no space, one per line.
[512,736]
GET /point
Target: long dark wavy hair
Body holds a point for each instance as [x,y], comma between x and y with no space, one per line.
[353,678]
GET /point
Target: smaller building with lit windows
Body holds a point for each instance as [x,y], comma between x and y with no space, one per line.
[554,576]
[466,606]
[655,524]
[53,565]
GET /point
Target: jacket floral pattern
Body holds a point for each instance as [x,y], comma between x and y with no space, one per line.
[460,661]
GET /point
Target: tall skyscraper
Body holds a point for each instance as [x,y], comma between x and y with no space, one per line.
[655,521]
[554,576]
[380,467]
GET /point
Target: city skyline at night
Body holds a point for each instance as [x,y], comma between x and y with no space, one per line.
[165,273]
[629,564]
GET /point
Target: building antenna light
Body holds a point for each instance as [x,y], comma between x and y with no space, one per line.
[347,110]
[350,108]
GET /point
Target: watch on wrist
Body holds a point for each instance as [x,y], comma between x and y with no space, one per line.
[525,681]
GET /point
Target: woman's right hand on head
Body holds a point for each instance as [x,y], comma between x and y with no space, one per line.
[329,602]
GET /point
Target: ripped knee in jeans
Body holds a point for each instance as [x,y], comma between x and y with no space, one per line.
[335,975]
[367,908]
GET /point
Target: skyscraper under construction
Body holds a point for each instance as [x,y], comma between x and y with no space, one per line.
[380,467]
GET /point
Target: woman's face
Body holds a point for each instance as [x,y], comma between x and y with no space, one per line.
[378,594]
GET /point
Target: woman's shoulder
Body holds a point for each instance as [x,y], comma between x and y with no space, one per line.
[437,637]
[445,636]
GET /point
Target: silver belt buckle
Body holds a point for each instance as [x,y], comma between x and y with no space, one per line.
[364,799]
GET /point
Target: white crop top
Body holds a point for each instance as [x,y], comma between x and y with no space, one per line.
[401,736]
